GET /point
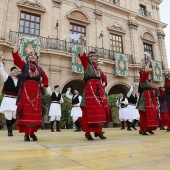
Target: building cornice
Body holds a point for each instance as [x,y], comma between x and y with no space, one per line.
[129,12]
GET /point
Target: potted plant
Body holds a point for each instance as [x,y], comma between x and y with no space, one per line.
[112,99]
[65,111]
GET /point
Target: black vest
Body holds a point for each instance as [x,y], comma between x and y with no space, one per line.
[9,86]
[75,100]
[132,99]
[55,98]
[122,105]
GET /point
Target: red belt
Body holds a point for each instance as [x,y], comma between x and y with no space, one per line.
[10,96]
[55,102]
[132,104]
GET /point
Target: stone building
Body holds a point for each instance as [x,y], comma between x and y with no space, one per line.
[128,26]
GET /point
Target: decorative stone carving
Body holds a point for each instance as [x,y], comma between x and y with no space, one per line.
[133,24]
[31,4]
[161,35]
[78,15]
[157,7]
[98,14]
[116,27]
[148,36]
[57,3]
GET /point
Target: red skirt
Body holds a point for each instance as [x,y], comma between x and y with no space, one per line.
[30,119]
[152,109]
[97,106]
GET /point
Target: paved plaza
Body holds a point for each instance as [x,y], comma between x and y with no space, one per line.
[68,150]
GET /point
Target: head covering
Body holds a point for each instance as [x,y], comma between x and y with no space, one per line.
[32,66]
[56,86]
[141,70]
[91,53]
[13,68]
[33,52]
[92,63]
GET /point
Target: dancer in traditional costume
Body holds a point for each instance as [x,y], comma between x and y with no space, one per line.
[133,113]
[147,103]
[122,103]
[29,109]
[167,88]
[76,112]
[55,108]
[163,108]
[94,105]
[10,90]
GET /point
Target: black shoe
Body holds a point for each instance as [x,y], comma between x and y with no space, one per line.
[168,130]
[129,129]
[142,133]
[89,137]
[34,138]
[103,132]
[52,130]
[122,128]
[162,128]
[58,130]
[26,138]
[10,134]
[134,128]
[77,130]
[149,131]
[100,136]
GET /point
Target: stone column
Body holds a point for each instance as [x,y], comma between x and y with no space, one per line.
[56,15]
[3,16]
[55,77]
[99,24]
[133,25]
[161,38]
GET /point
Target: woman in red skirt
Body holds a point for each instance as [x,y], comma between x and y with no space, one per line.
[30,102]
[94,105]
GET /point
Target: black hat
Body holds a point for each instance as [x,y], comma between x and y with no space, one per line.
[77,90]
[13,68]
[56,86]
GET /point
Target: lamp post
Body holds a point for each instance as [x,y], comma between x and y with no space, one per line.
[57,25]
[101,36]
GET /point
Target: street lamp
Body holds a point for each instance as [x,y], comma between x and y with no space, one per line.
[57,25]
[101,36]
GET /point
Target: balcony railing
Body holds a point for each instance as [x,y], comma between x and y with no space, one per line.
[63,45]
[145,13]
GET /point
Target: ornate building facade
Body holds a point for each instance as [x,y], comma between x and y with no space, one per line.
[126,26]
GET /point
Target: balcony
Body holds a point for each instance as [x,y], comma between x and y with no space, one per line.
[63,45]
[144,12]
